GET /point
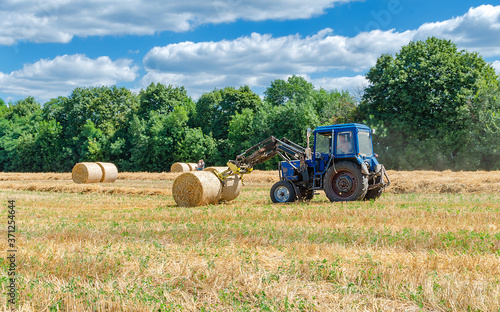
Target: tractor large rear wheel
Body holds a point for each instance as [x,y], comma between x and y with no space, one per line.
[345,182]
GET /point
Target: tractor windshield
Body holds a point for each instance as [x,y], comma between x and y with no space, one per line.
[365,143]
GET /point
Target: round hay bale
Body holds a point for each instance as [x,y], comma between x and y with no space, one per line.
[193,166]
[86,172]
[196,188]
[219,169]
[109,172]
[232,188]
[180,167]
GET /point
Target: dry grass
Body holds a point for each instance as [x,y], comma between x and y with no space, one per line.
[109,248]
[403,182]
[462,182]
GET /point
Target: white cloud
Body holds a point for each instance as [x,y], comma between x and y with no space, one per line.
[60,20]
[258,59]
[477,30]
[496,66]
[49,78]
[354,84]
[263,53]
[255,60]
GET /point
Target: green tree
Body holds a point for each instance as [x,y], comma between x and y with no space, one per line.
[422,99]
[334,107]
[27,141]
[215,109]
[3,109]
[295,88]
[90,118]
[194,145]
[106,107]
[163,99]
[24,108]
[484,139]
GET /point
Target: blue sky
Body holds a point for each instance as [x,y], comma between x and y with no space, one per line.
[50,47]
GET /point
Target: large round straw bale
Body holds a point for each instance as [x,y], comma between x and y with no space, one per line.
[231,188]
[218,169]
[109,172]
[196,188]
[193,166]
[180,167]
[86,173]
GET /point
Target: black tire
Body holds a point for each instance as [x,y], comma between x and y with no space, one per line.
[375,193]
[345,182]
[283,192]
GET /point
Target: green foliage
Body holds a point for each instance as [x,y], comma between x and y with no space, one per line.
[334,107]
[426,103]
[433,107]
[23,108]
[296,89]
[163,99]
[91,139]
[106,107]
[194,146]
[215,109]
[27,142]
[3,108]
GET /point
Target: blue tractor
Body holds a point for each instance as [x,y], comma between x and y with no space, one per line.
[341,163]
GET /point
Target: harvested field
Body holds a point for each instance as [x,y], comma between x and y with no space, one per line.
[463,182]
[126,246]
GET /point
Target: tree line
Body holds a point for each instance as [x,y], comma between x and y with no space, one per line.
[433,107]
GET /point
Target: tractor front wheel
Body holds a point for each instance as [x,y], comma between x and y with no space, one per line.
[345,182]
[283,192]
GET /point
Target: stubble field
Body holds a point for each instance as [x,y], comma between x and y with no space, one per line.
[430,243]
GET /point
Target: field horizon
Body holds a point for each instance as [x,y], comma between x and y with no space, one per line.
[430,243]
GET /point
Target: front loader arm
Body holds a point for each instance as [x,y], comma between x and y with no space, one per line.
[262,152]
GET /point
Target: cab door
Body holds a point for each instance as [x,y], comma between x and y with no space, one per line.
[323,143]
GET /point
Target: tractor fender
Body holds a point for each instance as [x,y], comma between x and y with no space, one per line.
[297,190]
[361,162]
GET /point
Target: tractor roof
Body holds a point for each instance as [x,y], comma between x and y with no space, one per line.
[342,127]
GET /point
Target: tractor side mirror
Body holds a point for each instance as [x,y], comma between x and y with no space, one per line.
[308,149]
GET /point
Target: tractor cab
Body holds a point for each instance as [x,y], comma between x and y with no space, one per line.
[343,142]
